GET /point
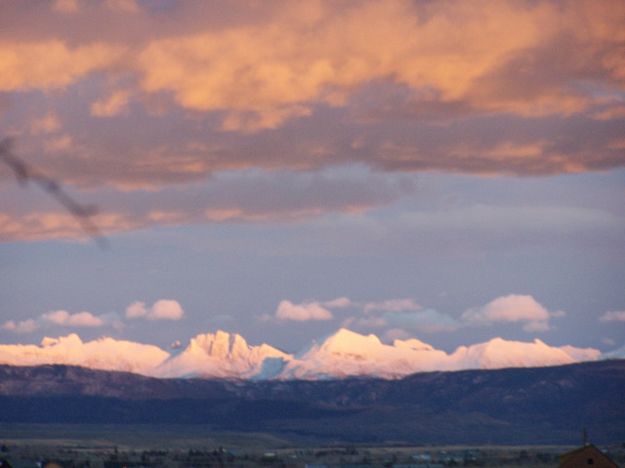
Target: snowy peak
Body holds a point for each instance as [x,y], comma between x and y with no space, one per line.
[349,342]
[219,345]
[344,353]
[104,354]
[229,346]
[498,353]
[414,344]
[220,354]
[347,353]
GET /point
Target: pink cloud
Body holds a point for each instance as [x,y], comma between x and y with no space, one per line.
[163,309]
[512,308]
[307,311]
[66,319]
[23,326]
[319,91]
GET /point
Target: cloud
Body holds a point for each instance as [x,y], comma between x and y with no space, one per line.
[65,6]
[47,124]
[50,64]
[126,6]
[309,310]
[63,318]
[66,319]
[505,88]
[613,316]
[110,106]
[163,309]
[397,319]
[23,326]
[512,308]
[406,314]
[391,305]
[401,315]
[442,52]
[306,311]
[229,197]
[338,303]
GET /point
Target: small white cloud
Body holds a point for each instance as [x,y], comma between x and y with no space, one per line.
[306,311]
[23,326]
[512,308]
[65,319]
[613,316]
[136,310]
[57,317]
[84,319]
[166,309]
[163,309]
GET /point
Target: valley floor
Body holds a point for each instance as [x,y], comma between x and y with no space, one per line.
[79,445]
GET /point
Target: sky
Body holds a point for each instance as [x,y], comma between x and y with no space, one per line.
[450,171]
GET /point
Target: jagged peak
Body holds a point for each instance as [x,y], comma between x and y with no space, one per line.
[72,338]
[341,353]
[218,344]
[414,344]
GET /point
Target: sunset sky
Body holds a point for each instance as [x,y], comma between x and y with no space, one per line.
[446,170]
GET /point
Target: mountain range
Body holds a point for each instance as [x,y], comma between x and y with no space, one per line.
[341,354]
[538,405]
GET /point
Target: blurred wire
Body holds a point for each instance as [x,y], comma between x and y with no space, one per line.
[26,173]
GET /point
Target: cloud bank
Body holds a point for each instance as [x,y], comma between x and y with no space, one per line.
[506,88]
[163,309]
[402,316]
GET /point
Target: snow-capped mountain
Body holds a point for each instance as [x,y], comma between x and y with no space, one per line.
[341,354]
[104,354]
[346,353]
[222,355]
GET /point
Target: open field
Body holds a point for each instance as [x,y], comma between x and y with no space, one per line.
[176,445]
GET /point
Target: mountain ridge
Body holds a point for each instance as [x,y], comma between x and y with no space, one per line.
[341,354]
[514,405]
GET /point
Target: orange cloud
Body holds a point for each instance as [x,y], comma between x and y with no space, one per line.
[494,56]
[50,64]
[124,97]
[110,106]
